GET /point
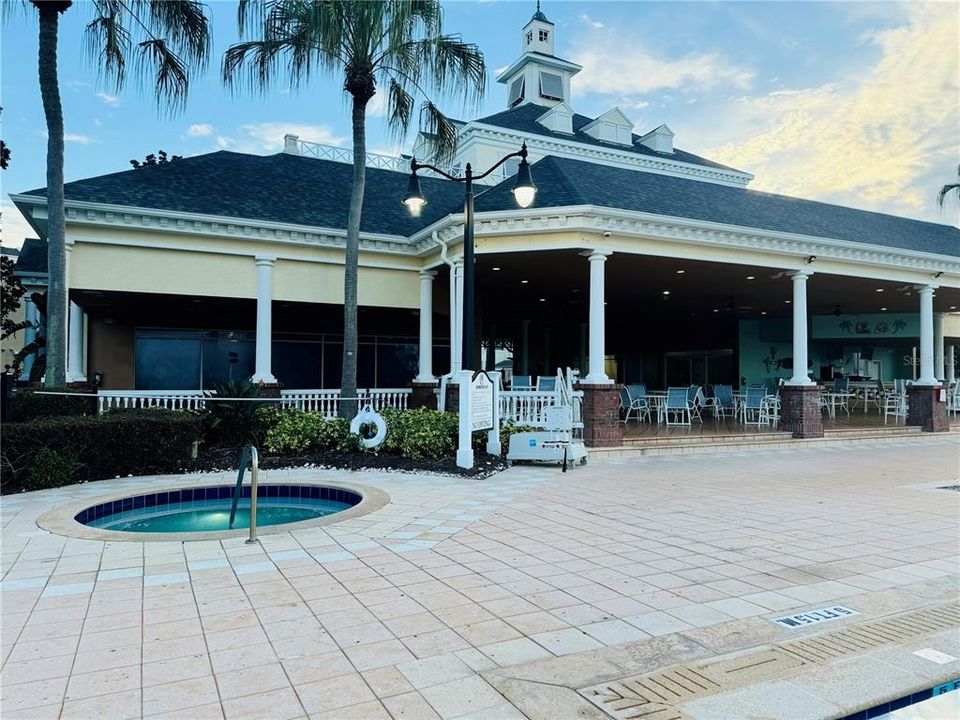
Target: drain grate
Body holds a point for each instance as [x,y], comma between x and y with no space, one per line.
[657,696]
[874,633]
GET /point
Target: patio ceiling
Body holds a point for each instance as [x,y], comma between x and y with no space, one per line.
[561,278]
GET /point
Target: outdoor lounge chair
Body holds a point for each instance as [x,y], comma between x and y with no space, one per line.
[841,390]
[638,403]
[752,409]
[546,383]
[521,382]
[696,401]
[677,407]
[895,403]
[723,404]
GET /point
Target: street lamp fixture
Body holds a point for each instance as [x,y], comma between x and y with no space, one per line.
[524,192]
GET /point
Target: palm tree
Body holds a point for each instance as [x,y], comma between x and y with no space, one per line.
[949,188]
[168,39]
[398,45]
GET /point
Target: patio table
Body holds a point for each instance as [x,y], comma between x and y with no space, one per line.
[658,402]
[832,399]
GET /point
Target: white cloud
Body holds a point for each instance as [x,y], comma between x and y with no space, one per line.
[591,22]
[110,100]
[97,122]
[78,138]
[13,226]
[884,140]
[377,107]
[268,136]
[200,130]
[224,142]
[625,68]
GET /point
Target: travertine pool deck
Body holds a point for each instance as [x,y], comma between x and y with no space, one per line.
[503,598]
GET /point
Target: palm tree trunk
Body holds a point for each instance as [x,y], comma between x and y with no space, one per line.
[56,340]
[348,377]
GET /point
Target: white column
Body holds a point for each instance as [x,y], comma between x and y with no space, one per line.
[425,374]
[597,374]
[525,347]
[800,375]
[927,376]
[456,357]
[938,356]
[951,364]
[76,372]
[262,372]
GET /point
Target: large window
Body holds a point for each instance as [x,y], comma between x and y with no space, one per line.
[516,91]
[551,86]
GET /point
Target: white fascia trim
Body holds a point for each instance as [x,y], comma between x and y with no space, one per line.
[595,219]
[203,249]
[546,60]
[171,221]
[610,155]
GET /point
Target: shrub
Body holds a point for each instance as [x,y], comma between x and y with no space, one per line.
[49,469]
[233,422]
[421,434]
[298,431]
[29,405]
[130,442]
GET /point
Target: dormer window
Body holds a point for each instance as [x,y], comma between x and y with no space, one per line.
[544,35]
[516,91]
[529,37]
[551,86]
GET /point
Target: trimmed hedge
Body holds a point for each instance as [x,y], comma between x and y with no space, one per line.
[294,431]
[28,405]
[420,434]
[131,442]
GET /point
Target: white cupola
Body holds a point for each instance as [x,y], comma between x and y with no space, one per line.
[538,76]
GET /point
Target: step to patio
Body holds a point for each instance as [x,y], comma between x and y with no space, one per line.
[759,441]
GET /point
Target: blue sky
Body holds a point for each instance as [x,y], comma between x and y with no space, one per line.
[854,102]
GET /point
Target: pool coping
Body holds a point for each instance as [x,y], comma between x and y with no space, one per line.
[60,520]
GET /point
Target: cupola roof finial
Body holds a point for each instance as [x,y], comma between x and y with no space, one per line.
[538,15]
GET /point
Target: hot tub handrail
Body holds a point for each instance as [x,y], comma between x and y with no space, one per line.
[250,458]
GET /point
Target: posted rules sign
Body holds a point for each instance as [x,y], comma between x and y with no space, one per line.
[481,402]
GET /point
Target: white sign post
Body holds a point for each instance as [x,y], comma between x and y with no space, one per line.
[479,410]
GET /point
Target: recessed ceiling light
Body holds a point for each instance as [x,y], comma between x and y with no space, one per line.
[524,282]
[543,299]
[496,268]
[879,289]
[763,312]
[716,310]
[788,301]
[680,272]
[666,292]
[883,309]
[750,277]
[953,307]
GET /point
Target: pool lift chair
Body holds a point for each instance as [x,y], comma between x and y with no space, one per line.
[561,438]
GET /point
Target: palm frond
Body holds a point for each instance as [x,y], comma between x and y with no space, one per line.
[184,25]
[171,79]
[107,41]
[946,190]
[442,133]
[446,64]
[399,109]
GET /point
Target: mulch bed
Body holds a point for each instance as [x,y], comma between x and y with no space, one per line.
[221,458]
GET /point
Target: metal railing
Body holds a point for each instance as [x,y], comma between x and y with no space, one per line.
[250,458]
[397,163]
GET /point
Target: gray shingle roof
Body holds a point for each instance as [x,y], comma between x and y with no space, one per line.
[523,118]
[280,188]
[33,257]
[562,181]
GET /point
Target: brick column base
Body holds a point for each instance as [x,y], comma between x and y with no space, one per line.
[800,411]
[926,409]
[601,416]
[423,395]
[271,390]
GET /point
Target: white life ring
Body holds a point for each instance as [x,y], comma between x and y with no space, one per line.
[368,416]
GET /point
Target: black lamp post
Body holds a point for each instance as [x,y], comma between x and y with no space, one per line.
[523,191]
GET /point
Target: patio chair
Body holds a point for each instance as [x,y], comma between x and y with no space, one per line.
[953,400]
[521,382]
[724,404]
[770,408]
[879,396]
[895,403]
[639,403]
[546,383]
[697,401]
[841,394]
[677,407]
[752,409]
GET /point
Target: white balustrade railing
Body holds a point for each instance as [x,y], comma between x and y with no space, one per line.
[379,398]
[133,399]
[326,402]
